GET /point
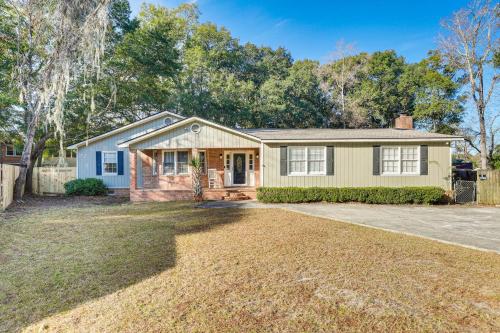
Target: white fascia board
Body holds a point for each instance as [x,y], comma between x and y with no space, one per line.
[365,140]
[182,123]
[126,127]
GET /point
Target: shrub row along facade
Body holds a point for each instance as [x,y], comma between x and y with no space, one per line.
[150,159]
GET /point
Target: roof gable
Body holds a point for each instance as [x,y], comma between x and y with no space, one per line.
[130,126]
[181,135]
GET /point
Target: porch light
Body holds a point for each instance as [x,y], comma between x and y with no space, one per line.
[257,156]
[220,156]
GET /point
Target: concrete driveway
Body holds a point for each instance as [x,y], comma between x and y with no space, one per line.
[477,227]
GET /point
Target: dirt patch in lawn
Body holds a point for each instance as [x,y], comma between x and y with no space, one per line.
[33,204]
[233,270]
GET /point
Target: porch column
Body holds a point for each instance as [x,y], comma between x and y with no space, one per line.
[132,160]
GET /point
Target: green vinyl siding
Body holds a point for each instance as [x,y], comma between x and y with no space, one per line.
[208,137]
[353,166]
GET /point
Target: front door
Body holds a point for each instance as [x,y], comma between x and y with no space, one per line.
[239,169]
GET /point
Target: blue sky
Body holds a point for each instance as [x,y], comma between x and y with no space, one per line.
[310,29]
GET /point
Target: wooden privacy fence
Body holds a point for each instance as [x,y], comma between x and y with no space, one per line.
[488,187]
[8,178]
[50,180]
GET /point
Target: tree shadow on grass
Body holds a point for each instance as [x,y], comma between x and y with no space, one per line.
[52,262]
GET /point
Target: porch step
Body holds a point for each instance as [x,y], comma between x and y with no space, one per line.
[235,195]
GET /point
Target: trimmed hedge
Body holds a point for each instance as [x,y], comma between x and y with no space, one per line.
[371,195]
[88,187]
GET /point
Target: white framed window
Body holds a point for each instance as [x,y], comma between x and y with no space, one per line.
[390,160]
[182,163]
[250,162]
[109,163]
[306,160]
[175,162]
[12,151]
[169,162]
[202,155]
[316,160]
[410,160]
[398,160]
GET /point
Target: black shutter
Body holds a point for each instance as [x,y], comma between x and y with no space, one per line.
[376,160]
[120,162]
[424,160]
[330,160]
[283,161]
[98,163]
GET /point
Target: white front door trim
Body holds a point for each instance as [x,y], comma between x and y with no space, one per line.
[229,162]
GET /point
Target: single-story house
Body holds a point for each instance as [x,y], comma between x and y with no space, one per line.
[150,159]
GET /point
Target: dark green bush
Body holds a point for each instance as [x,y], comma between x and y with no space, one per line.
[89,187]
[372,195]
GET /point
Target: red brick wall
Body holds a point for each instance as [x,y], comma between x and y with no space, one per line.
[164,188]
[8,159]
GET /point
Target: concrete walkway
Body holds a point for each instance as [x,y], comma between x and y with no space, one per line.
[476,227]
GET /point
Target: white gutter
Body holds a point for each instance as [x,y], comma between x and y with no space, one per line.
[365,140]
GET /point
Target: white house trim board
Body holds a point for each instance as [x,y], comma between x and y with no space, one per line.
[400,140]
[183,123]
[124,128]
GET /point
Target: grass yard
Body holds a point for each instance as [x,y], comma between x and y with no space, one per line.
[120,267]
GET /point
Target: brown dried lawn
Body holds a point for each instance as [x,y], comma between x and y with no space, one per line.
[170,267]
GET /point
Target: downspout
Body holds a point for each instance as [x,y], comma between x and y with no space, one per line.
[261,165]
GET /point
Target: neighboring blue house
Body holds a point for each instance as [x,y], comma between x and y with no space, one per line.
[100,156]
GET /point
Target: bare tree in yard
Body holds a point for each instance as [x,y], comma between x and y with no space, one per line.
[57,42]
[338,76]
[471,45]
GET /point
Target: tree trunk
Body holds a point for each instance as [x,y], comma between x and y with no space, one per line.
[25,162]
[482,132]
[36,155]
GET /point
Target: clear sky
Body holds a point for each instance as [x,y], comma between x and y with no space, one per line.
[310,29]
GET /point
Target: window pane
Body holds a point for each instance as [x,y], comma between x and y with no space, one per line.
[182,162]
[168,162]
[297,166]
[390,160]
[316,159]
[203,162]
[316,153]
[409,159]
[110,165]
[297,154]
[250,162]
[316,166]
[297,160]
[10,150]
[409,166]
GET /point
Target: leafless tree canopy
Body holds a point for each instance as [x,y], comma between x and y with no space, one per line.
[470,44]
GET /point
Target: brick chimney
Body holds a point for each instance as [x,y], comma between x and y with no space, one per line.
[404,121]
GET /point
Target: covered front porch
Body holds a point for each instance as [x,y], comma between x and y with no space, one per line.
[166,174]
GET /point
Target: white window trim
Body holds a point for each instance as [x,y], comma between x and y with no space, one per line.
[205,170]
[175,173]
[400,160]
[104,173]
[306,173]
